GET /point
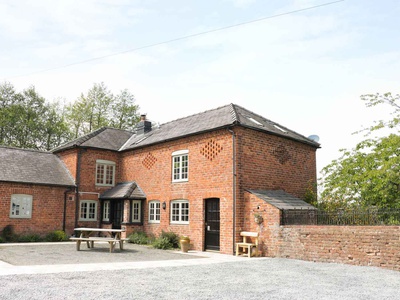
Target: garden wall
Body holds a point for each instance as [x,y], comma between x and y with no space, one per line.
[377,246]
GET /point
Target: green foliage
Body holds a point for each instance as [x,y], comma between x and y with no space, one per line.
[369,174]
[172,237]
[99,107]
[310,195]
[27,120]
[162,243]
[2,240]
[8,234]
[56,236]
[29,238]
[166,240]
[139,237]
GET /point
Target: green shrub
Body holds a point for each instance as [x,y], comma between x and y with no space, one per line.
[162,243]
[56,236]
[29,238]
[2,240]
[139,237]
[172,237]
[8,234]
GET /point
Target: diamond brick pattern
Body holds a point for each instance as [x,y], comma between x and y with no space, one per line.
[149,161]
[211,150]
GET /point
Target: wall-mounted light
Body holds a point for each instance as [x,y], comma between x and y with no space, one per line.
[164,205]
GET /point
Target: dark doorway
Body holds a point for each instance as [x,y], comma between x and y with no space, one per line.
[212,224]
[116,213]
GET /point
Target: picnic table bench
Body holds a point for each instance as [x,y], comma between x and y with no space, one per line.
[245,247]
[85,236]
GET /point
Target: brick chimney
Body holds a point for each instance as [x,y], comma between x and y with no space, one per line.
[143,126]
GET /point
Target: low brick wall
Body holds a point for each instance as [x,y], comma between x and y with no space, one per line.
[357,245]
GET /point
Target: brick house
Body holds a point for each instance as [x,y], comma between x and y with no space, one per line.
[189,176]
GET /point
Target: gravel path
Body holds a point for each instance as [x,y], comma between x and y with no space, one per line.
[241,278]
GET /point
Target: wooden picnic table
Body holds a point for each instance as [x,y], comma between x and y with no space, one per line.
[114,236]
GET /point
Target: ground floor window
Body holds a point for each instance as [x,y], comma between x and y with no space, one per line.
[88,210]
[154,212]
[136,212]
[106,211]
[180,212]
[21,206]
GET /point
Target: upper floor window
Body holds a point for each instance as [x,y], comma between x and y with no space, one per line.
[88,210]
[180,212]
[180,165]
[105,172]
[154,212]
[21,206]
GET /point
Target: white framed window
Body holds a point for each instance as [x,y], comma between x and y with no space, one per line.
[106,211]
[180,212]
[105,172]
[136,211]
[21,206]
[88,210]
[154,212]
[180,165]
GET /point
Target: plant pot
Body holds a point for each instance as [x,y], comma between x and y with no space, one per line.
[185,243]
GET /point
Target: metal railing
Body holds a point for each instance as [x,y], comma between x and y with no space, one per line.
[369,217]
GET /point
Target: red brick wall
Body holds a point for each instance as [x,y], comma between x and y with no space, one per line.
[151,168]
[270,162]
[69,157]
[377,246]
[357,245]
[47,208]
[87,184]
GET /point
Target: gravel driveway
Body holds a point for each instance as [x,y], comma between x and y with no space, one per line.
[214,277]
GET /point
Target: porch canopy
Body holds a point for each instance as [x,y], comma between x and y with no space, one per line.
[124,191]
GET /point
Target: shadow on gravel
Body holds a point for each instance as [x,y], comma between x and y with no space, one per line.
[65,253]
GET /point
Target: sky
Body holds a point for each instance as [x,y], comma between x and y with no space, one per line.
[302,64]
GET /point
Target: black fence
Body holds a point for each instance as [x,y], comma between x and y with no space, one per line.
[342,217]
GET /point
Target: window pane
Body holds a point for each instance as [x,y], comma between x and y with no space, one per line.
[100,174]
[136,211]
[109,174]
[158,211]
[83,210]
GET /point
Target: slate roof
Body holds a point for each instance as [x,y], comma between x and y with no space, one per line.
[30,166]
[124,190]
[222,117]
[103,138]
[282,200]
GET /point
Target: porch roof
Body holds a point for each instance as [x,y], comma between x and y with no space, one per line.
[281,200]
[124,190]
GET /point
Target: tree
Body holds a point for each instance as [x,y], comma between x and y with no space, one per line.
[369,174]
[28,121]
[124,111]
[99,108]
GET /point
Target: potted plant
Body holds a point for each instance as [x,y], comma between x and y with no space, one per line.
[258,218]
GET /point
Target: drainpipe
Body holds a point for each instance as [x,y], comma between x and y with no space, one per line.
[233,187]
[78,180]
[65,208]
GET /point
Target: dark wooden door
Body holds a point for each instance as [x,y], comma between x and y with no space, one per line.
[116,213]
[212,224]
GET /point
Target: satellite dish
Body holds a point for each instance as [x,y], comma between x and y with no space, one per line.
[314,138]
